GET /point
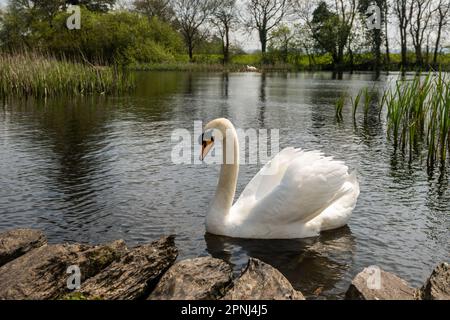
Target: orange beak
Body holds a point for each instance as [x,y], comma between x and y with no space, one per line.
[206,147]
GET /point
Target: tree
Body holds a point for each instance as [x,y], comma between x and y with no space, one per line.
[155,8]
[26,22]
[403,11]
[376,35]
[386,32]
[420,17]
[224,18]
[281,40]
[443,13]
[265,15]
[192,16]
[331,29]
[94,5]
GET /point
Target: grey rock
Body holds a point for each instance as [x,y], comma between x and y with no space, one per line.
[41,273]
[135,274]
[437,286]
[373,283]
[203,278]
[260,281]
[14,243]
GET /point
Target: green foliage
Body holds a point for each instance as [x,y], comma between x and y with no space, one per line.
[207,58]
[247,59]
[281,42]
[116,37]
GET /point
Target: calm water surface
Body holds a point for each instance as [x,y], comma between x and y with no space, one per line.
[97,169]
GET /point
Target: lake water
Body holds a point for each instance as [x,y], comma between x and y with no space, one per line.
[96,169]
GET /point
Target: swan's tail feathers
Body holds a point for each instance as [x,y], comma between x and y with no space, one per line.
[353,179]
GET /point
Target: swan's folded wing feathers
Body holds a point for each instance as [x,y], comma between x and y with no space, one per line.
[269,176]
[309,184]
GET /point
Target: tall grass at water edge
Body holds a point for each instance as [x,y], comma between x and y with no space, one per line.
[38,75]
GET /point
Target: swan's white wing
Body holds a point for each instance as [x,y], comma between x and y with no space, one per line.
[267,178]
[305,185]
[270,175]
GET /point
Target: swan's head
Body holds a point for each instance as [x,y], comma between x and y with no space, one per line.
[214,131]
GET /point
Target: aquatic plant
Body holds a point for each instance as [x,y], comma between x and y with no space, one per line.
[340,103]
[355,104]
[418,113]
[367,101]
[38,75]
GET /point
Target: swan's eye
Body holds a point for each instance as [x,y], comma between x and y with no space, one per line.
[200,139]
[205,136]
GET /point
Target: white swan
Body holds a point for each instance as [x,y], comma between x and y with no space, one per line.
[303,194]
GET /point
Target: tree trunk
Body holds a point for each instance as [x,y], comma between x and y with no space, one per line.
[191,52]
[403,48]
[388,53]
[340,57]
[226,53]
[377,49]
[419,56]
[263,40]
[352,60]
[438,42]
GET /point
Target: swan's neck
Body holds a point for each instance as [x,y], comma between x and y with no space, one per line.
[226,188]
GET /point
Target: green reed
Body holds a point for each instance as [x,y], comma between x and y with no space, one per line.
[38,75]
[367,101]
[340,103]
[418,113]
[367,96]
[355,104]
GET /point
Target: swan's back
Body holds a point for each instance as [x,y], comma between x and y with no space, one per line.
[290,202]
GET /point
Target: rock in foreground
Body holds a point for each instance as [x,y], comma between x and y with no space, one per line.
[437,286]
[260,281]
[375,284]
[203,278]
[41,273]
[135,274]
[15,243]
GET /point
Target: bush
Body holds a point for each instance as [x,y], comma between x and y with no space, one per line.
[105,38]
[247,59]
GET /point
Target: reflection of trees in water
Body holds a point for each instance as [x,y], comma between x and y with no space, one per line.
[438,197]
[64,130]
[262,99]
[309,264]
[321,111]
[370,128]
[337,75]
[225,84]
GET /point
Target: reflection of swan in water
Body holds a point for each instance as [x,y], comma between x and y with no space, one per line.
[312,265]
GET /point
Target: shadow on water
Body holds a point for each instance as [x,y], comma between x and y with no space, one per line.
[313,266]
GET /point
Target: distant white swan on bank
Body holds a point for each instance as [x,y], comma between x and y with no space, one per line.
[251,68]
[304,194]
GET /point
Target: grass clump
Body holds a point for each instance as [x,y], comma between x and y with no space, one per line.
[340,103]
[41,76]
[418,113]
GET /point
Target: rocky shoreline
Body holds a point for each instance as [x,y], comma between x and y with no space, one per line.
[32,269]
